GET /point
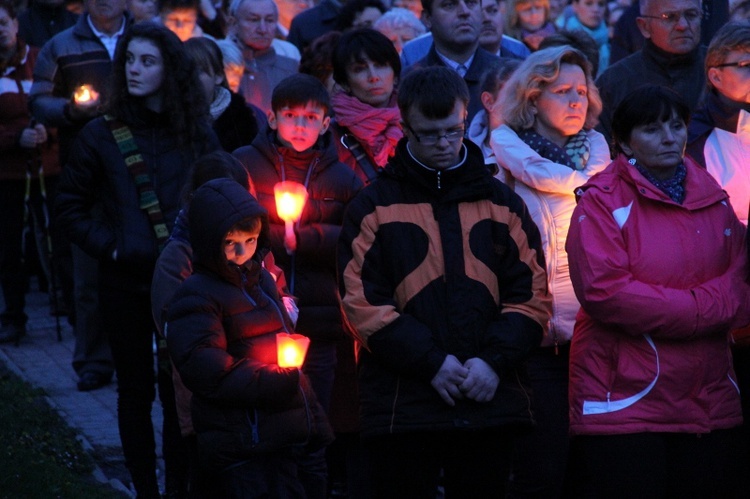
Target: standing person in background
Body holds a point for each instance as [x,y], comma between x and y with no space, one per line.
[296,146]
[455,26]
[529,21]
[548,147]
[288,10]
[232,118]
[367,122]
[588,16]
[142,10]
[719,140]
[252,26]
[672,56]
[658,261]
[81,55]
[441,276]
[130,167]
[25,149]
[399,26]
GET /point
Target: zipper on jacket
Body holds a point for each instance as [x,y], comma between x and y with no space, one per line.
[243,278]
[254,434]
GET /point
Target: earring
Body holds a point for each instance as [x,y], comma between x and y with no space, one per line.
[632,161]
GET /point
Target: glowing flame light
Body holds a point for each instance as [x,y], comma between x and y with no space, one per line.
[290,200]
[291,349]
[84,94]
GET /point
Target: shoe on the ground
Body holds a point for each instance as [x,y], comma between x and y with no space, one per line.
[11,333]
[92,380]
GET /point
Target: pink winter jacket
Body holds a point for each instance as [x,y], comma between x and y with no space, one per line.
[660,286]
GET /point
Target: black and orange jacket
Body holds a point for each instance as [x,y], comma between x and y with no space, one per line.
[433,263]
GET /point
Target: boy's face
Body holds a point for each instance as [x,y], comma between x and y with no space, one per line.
[299,127]
[240,246]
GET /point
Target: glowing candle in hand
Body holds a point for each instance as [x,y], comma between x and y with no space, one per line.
[290,201]
[291,349]
[85,94]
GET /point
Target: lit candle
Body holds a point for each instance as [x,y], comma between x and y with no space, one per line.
[85,94]
[291,349]
[290,201]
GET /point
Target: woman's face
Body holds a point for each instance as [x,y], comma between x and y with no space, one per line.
[8,30]
[658,146]
[144,68]
[531,15]
[234,73]
[399,36]
[209,82]
[370,82]
[562,106]
[589,12]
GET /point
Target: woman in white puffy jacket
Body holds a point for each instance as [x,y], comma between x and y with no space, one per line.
[548,146]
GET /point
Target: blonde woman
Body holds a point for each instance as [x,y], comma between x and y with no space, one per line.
[547,144]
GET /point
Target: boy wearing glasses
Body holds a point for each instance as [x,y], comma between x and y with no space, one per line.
[671,56]
[441,276]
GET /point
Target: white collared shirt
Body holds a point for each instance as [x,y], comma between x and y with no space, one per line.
[461,69]
[109,41]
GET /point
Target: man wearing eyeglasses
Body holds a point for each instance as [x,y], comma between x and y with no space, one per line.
[442,278]
[671,56]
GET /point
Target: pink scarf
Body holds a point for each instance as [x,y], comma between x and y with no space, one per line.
[377,129]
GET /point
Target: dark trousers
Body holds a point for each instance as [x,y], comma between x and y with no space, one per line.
[126,315]
[540,457]
[14,279]
[262,476]
[474,464]
[665,465]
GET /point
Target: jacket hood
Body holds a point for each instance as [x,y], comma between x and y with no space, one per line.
[216,206]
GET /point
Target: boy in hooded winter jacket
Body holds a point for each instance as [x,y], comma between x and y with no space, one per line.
[221,333]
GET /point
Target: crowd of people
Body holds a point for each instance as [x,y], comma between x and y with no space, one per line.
[519,259]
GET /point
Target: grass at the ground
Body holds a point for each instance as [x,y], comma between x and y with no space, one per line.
[39,454]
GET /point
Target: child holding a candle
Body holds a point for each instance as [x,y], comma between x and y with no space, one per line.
[221,333]
[297,146]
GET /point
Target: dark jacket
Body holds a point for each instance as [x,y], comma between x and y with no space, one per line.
[97,180]
[72,58]
[236,126]
[311,274]
[222,324]
[433,263]
[650,66]
[312,23]
[482,60]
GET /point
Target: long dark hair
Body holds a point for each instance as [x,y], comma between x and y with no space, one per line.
[185,106]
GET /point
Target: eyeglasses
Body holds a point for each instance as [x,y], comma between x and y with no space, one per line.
[739,64]
[691,16]
[430,139]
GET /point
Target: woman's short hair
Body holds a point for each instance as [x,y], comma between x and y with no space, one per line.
[10,8]
[644,105]
[230,52]
[207,57]
[398,18]
[579,40]
[733,36]
[358,44]
[540,69]
[350,9]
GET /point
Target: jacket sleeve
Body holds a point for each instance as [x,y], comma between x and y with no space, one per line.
[45,105]
[399,340]
[526,304]
[173,267]
[198,347]
[609,292]
[81,184]
[542,174]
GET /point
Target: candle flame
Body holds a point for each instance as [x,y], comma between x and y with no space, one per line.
[85,93]
[291,349]
[290,200]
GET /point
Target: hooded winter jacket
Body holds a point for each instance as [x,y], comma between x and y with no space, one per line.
[660,285]
[222,324]
[433,263]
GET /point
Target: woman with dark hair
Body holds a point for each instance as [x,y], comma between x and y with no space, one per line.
[118,199]
[658,262]
[234,121]
[357,14]
[367,122]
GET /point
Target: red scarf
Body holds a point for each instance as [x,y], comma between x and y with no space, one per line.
[377,129]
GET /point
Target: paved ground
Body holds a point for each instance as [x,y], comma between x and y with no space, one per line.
[44,362]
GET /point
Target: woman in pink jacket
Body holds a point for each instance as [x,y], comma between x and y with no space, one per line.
[658,263]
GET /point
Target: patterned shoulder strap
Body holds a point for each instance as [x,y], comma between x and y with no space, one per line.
[147,199]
